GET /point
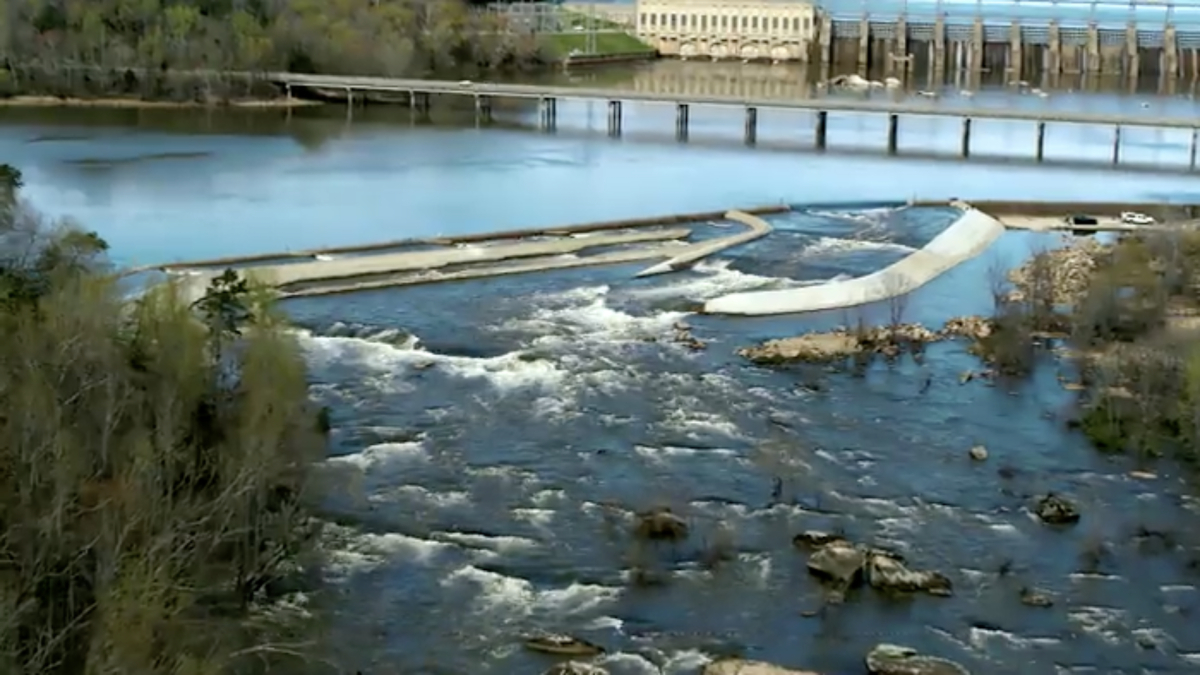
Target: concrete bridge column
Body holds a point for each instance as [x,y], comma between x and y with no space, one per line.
[483,110]
[681,121]
[965,139]
[893,134]
[1041,141]
[1132,62]
[1170,64]
[548,113]
[822,130]
[1195,141]
[614,118]
[1116,146]
[751,126]
[864,46]
[1016,61]
[1053,62]
[1092,62]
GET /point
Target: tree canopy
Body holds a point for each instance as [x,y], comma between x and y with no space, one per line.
[154,461]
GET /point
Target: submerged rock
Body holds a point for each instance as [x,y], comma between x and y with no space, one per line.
[815,538]
[744,667]
[1056,510]
[886,573]
[1035,598]
[563,645]
[978,453]
[575,668]
[888,659]
[662,525]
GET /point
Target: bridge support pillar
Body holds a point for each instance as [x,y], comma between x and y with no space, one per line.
[1016,60]
[1092,62]
[1041,141]
[822,130]
[1132,60]
[681,121]
[418,104]
[751,130]
[893,133]
[483,110]
[1053,62]
[1116,146]
[1170,64]
[1195,141]
[548,113]
[965,139]
[614,118]
[864,46]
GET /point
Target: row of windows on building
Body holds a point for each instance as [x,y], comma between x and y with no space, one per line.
[774,24]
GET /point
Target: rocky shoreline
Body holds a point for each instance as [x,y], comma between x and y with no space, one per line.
[841,343]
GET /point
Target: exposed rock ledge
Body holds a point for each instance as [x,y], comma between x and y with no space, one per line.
[841,343]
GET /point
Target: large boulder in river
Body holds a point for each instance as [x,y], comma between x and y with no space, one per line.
[887,659]
[1056,510]
[744,667]
[815,538]
[839,562]
[562,645]
[662,525]
[886,573]
[813,347]
[575,668]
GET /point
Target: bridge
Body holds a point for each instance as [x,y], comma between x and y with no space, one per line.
[419,94]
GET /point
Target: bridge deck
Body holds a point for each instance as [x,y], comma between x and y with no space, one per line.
[522,91]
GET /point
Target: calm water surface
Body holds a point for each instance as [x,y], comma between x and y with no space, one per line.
[474,500]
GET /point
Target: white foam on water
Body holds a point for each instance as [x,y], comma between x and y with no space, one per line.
[349,552]
[383,453]
[666,453]
[505,372]
[502,544]
[989,641]
[835,245]
[685,661]
[583,315]
[535,517]
[424,495]
[707,280]
[515,597]
[626,663]
[874,216]
[1106,623]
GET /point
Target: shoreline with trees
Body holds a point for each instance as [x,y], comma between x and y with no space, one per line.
[154,480]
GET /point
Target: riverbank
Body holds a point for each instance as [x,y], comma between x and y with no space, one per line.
[31,101]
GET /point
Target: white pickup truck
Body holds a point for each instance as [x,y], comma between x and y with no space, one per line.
[1135,218]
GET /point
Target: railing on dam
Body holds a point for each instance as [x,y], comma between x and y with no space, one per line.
[1184,15]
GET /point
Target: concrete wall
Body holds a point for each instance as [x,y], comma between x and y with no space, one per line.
[966,238]
[720,29]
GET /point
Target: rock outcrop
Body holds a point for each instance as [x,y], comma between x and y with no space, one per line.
[1065,273]
[744,667]
[843,565]
[888,659]
[1056,510]
[562,645]
[661,524]
[842,343]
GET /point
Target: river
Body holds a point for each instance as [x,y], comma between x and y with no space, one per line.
[471,502]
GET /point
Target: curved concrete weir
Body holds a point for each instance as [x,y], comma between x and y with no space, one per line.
[967,237]
[759,228]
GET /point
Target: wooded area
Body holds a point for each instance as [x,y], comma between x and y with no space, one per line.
[154,466]
[145,48]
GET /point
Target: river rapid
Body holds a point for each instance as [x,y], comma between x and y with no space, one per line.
[492,436]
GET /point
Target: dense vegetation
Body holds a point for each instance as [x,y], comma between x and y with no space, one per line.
[152,468]
[146,47]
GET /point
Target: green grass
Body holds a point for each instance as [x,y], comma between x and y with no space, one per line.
[562,45]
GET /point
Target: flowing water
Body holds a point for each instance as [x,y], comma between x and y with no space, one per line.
[492,437]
